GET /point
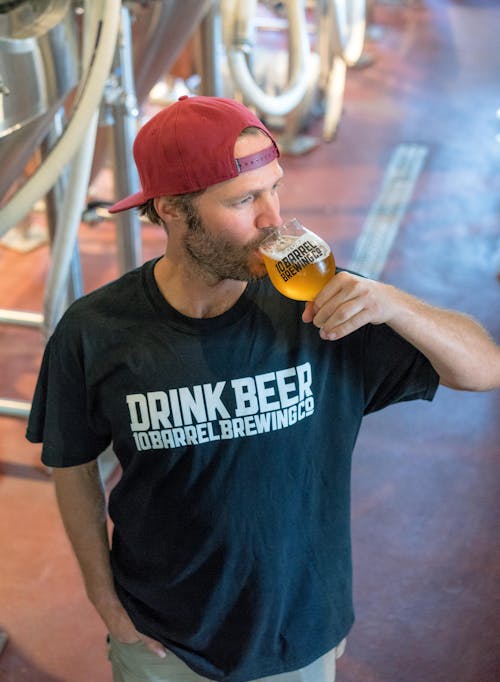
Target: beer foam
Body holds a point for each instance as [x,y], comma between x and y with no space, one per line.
[285,244]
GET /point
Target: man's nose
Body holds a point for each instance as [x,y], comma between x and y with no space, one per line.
[269,215]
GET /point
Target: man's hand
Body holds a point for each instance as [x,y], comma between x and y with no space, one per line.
[346,303]
[121,628]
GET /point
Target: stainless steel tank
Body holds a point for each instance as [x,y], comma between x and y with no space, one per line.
[38,68]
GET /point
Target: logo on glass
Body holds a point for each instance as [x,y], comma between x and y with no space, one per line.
[299,263]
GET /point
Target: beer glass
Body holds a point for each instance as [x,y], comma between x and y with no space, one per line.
[298,262]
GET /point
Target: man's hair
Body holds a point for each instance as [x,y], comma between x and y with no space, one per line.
[184,202]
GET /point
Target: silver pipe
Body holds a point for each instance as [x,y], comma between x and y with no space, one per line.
[126,180]
[14,408]
[20,317]
[211,41]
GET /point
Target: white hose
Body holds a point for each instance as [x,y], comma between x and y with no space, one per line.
[67,226]
[348,29]
[46,175]
[235,15]
[334,98]
[244,14]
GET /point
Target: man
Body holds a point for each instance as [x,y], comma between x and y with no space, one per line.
[234,412]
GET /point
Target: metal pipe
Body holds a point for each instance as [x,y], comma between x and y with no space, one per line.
[126,180]
[14,408]
[20,317]
[211,40]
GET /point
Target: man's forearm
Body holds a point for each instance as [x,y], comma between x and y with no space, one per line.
[460,350]
[82,505]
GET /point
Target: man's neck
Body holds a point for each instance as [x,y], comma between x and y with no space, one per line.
[192,294]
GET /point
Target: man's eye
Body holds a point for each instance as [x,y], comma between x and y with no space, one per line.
[245,200]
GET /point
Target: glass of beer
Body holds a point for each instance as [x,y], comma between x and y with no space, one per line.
[298,262]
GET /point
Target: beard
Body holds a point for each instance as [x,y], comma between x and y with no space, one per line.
[219,257]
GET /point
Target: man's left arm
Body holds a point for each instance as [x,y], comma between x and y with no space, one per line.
[460,350]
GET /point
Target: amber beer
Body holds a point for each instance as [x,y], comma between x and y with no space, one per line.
[299,263]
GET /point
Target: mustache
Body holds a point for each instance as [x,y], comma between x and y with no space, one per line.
[265,232]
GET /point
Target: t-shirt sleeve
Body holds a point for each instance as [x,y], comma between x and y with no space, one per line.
[394,370]
[60,416]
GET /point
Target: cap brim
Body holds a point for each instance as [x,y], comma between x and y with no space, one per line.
[132,201]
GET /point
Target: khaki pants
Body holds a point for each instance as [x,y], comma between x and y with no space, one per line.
[135,663]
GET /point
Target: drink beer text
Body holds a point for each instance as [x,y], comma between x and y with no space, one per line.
[299,263]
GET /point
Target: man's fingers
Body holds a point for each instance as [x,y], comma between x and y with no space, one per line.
[154,646]
[346,303]
[332,332]
[308,314]
[335,313]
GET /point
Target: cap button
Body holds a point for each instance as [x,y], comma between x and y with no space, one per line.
[183,97]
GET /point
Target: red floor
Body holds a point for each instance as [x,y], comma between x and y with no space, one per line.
[426,478]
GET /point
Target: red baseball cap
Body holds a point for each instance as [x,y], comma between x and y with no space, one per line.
[189,146]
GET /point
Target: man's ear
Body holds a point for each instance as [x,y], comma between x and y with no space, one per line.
[167,210]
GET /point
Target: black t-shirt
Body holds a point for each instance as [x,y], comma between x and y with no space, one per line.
[231,541]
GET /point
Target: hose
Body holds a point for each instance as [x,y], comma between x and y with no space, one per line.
[341,35]
[348,29]
[237,17]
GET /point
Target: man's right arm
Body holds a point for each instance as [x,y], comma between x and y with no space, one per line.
[82,504]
